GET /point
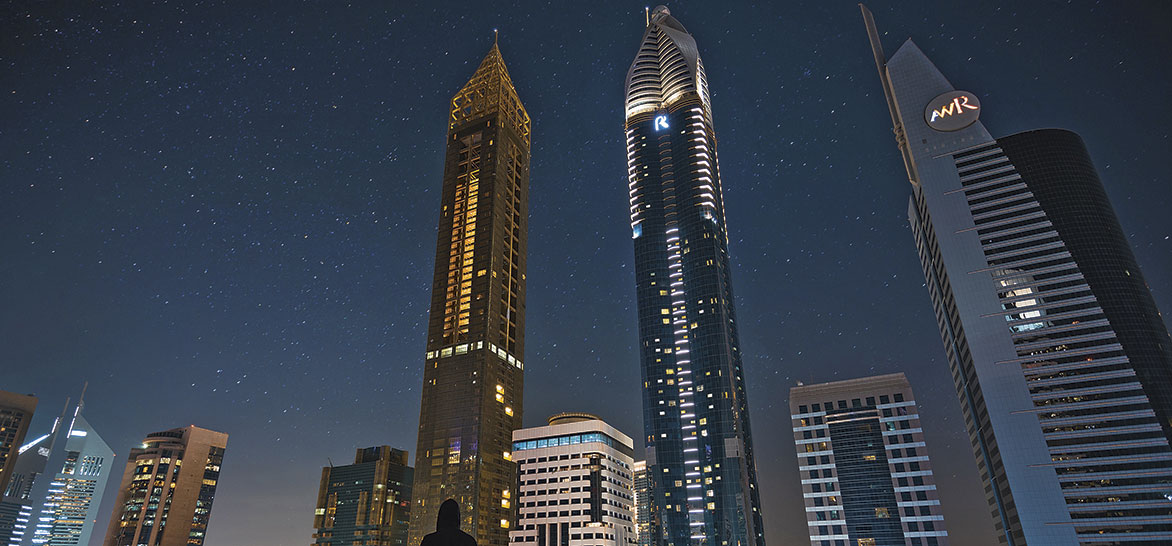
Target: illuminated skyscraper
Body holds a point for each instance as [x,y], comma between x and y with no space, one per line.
[165,497]
[1062,363]
[866,478]
[695,415]
[71,490]
[367,502]
[472,379]
[642,487]
[16,411]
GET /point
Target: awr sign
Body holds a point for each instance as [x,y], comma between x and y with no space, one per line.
[952,111]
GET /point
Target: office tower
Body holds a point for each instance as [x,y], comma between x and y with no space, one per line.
[575,483]
[866,479]
[1062,363]
[70,491]
[166,493]
[472,378]
[16,411]
[367,502]
[643,514]
[695,415]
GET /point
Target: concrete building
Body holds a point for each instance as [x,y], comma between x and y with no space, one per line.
[166,494]
[644,522]
[866,477]
[16,411]
[365,503]
[574,485]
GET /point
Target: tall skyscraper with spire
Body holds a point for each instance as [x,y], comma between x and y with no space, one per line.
[1062,363]
[695,415]
[473,373]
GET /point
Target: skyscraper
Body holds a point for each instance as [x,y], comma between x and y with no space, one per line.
[695,415]
[866,479]
[472,379]
[166,494]
[643,523]
[367,502]
[574,484]
[16,411]
[1062,363]
[69,493]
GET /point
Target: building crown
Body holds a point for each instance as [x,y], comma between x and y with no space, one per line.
[490,91]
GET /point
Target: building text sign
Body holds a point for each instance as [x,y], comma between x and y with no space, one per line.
[952,111]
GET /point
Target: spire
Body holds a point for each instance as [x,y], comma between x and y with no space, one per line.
[490,91]
[885,80]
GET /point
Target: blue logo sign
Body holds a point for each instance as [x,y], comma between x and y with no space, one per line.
[660,122]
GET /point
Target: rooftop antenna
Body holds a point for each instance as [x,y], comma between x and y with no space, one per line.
[897,124]
[495,36]
[647,14]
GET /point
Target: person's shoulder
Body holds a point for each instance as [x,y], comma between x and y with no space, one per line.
[467,539]
[428,539]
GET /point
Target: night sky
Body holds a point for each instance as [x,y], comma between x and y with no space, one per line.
[223,213]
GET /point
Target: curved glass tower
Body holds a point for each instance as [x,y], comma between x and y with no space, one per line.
[695,415]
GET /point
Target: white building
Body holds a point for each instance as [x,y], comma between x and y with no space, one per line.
[575,484]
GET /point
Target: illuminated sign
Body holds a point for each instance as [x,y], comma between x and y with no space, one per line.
[660,122]
[952,111]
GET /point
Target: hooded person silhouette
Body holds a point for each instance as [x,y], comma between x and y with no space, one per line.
[447,528]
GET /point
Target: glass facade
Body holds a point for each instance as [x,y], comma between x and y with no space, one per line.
[866,476]
[473,371]
[367,502]
[1062,362]
[696,419]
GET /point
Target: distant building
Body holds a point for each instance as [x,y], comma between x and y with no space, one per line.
[16,411]
[473,376]
[575,484]
[866,479]
[1061,361]
[70,489]
[643,503]
[367,502]
[698,439]
[165,497]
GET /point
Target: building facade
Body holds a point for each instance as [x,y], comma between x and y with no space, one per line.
[16,411]
[70,491]
[167,489]
[473,373]
[1062,363]
[866,477]
[25,462]
[695,412]
[575,484]
[367,503]
[643,523]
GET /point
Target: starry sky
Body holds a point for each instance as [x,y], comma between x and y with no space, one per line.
[223,213]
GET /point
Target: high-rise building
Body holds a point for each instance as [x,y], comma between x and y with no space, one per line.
[575,483]
[866,479]
[16,411]
[69,492]
[367,502]
[166,493]
[643,523]
[1062,363]
[472,378]
[695,414]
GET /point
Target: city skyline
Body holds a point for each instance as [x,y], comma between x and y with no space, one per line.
[186,271]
